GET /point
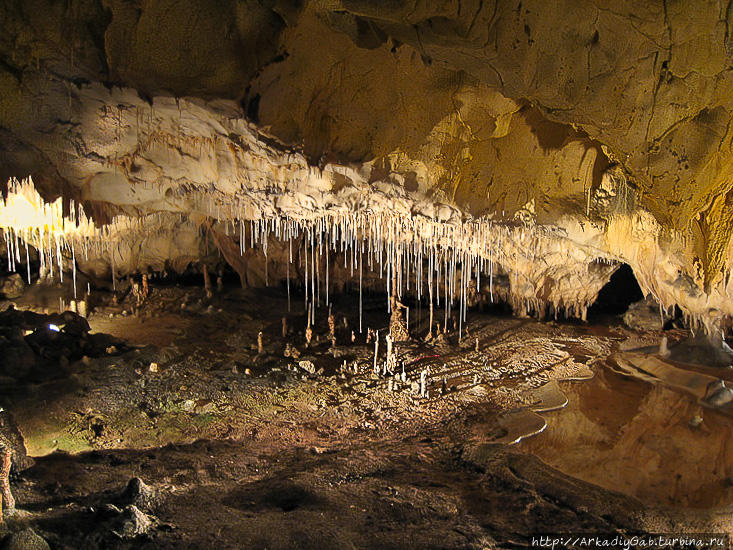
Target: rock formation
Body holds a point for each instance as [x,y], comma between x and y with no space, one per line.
[545,142]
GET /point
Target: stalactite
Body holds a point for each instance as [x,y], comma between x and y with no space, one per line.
[408,250]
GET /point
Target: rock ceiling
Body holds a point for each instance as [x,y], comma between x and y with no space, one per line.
[606,123]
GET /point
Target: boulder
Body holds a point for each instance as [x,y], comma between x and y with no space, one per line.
[12,286]
[27,539]
[139,494]
[133,523]
[18,360]
[645,315]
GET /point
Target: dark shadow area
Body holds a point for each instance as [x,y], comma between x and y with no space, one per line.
[703,350]
[455,500]
[618,294]
[271,494]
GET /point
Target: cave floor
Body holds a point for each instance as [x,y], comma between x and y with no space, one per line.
[242,449]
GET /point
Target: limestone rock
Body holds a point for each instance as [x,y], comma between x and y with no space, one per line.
[19,359]
[133,523]
[645,315]
[291,351]
[718,394]
[139,494]
[12,286]
[307,366]
[26,539]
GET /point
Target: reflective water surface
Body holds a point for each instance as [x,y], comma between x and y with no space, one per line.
[655,443]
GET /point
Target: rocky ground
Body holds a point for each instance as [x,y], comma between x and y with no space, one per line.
[179,430]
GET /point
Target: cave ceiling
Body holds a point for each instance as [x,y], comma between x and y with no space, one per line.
[500,109]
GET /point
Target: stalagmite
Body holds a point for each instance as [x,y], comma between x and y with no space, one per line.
[331,327]
[390,363]
[308,336]
[376,353]
[663,349]
[137,293]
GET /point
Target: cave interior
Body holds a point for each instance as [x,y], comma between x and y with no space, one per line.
[365,274]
